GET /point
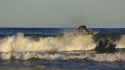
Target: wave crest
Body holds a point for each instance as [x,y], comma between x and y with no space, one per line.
[19,43]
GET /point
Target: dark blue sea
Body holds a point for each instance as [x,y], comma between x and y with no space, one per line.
[55,31]
[60,49]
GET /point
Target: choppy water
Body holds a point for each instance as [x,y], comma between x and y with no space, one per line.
[60,48]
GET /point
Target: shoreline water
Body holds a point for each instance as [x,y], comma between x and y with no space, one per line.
[37,68]
[88,65]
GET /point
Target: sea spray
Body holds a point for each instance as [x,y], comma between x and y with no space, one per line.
[121,42]
[19,43]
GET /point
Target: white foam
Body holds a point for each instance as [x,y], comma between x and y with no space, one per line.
[20,43]
[121,43]
[110,57]
[20,47]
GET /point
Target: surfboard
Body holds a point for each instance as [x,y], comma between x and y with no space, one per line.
[93,33]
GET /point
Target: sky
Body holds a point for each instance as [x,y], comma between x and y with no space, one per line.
[62,13]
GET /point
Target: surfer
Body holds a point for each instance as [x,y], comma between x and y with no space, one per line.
[82,30]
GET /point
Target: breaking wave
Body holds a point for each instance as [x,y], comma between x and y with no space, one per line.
[63,56]
[20,43]
[65,47]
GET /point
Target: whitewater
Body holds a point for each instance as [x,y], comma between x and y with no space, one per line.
[59,48]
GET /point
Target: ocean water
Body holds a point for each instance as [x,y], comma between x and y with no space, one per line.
[59,49]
